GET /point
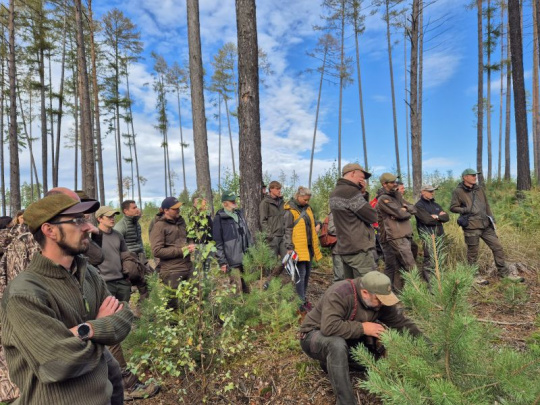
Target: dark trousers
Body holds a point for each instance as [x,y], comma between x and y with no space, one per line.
[173,278]
[304,270]
[334,353]
[397,255]
[488,235]
[115,377]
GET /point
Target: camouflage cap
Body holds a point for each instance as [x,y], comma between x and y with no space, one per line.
[379,284]
[387,178]
[352,167]
[53,205]
[467,172]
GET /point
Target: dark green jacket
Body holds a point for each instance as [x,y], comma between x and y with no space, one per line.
[332,314]
[46,361]
[462,203]
[271,216]
[130,229]
[394,214]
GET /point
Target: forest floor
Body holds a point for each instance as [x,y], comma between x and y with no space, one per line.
[266,376]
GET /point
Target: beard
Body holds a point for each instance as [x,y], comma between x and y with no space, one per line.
[69,249]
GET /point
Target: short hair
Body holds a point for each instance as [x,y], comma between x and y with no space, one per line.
[5,221]
[302,192]
[39,237]
[274,184]
[125,204]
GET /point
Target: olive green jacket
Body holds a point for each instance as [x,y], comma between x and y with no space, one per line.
[462,203]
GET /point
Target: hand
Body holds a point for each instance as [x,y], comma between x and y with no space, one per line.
[373,329]
[223,268]
[290,252]
[362,184]
[404,208]
[93,229]
[434,216]
[110,306]
[317,228]
[192,247]
[442,213]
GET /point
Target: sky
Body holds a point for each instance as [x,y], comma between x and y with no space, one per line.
[288,97]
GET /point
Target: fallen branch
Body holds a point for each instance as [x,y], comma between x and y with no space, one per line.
[504,323]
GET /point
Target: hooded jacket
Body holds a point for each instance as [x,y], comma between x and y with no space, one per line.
[353,216]
[394,216]
[462,203]
[168,239]
[232,238]
[425,223]
[271,216]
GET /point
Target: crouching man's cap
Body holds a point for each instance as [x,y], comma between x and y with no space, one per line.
[379,284]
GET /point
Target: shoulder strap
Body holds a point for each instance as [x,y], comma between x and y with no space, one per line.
[302,215]
[355,309]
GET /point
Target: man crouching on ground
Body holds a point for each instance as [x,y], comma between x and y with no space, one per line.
[345,316]
[57,316]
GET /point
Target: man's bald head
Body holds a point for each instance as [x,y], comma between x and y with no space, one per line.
[63,190]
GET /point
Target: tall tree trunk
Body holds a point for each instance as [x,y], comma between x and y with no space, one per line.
[406,106]
[508,117]
[182,137]
[480,104]
[60,105]
[536,95]
[134,142]
[520,106]
[488,82]
[416,141]
[118,131]
[200,137]
[341,77]
[394,114]
[28,136]
[87,138]
[97,114]
[360,98]
[418,179]
[44,147]
[499,161]
[51,119]
[14,172]
[248,111]
[2,101]
[219,142]
[230,134]
[317,117]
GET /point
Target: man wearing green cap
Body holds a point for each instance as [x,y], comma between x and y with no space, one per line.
[351,312]
[353,254]
[395,229]
[470,202]
[57,315]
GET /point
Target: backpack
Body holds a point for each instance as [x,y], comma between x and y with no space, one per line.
[326,238]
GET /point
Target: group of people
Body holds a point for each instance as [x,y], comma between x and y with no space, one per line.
[64,317]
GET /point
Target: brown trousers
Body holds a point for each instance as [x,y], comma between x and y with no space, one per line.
[397,255]
[488,235]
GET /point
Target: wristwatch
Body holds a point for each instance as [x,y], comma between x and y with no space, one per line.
[83,331]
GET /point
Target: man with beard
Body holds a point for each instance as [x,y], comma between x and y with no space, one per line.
[57,315]
[351,312]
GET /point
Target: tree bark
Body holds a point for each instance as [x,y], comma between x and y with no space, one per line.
[536,108]
[44,143]
[219,142]
[200,137]
[499,161]
[480,104]
[248,111]
[416,140]
[360,97]
[182,137]
[14,172]
[97,114]
[60,106]
[134,142]
[2,101]
[87,139]
[317,118]
[520,106]
[230,133]
[488,82]
[341,77]
[508,117]
[407,133]
[394,114]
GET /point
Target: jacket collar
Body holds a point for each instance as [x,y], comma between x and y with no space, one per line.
[344,182]
[47,268]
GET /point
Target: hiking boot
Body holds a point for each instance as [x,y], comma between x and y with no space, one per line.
[140,391]
[481,281]
[514,276]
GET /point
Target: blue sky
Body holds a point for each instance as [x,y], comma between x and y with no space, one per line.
[288,98]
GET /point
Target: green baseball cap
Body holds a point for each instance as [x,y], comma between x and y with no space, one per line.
[53,205]
[379,284]
[228,196]
[467,172]
[387,178]
[106,211]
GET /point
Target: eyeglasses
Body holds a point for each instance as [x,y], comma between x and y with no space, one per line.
[79,221]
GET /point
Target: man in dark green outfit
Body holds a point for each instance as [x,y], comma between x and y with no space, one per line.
[57,315]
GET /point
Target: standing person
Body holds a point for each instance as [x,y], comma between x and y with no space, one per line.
[470,201]
[169,239]
[271,218]
[353,216]
[350,313]
[396,231]
[301,236]
[233,238]
[112,247]
[430,218]
[130,228]
[414,245]
[57,315]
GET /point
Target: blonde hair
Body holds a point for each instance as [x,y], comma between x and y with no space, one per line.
[302,191]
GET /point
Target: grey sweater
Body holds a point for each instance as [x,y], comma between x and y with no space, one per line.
[113,245]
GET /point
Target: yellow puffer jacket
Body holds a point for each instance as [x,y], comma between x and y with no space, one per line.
[296,237]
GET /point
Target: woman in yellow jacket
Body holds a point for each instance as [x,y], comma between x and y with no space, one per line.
[301,236]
